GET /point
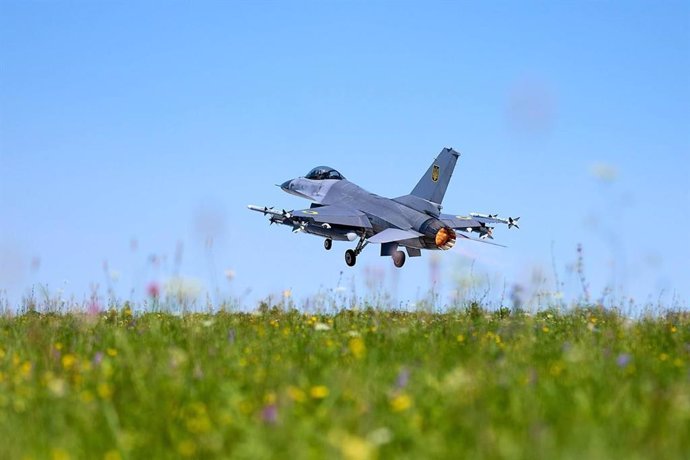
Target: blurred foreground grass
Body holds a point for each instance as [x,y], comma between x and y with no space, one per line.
[587,383]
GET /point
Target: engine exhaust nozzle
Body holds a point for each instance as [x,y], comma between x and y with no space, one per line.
[445,238]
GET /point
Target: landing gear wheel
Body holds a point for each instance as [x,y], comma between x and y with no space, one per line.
[398,258]
[350,258]
[328,244]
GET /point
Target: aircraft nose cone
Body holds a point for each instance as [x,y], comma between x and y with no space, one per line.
[286,185]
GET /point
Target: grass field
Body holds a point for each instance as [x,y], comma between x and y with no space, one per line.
[586,383]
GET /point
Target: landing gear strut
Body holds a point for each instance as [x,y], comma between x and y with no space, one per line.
[351,255]
[398,258]
[328,243]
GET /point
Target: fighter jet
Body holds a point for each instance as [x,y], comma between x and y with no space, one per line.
[343,211]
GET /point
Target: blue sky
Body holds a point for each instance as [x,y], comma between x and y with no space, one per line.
[137,131]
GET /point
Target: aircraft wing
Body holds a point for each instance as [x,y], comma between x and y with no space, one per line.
[393,234]
[475,220]
[459,222]
[321,216]
[479,240]
[334,215]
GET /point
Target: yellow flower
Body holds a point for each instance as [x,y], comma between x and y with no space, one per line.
[112,455]
[111,352]
[356,448]
[296,394]
[401,402]
[186,448]
[663,357]
[59,454]
[357,347]
[68,361]
[318,391]
[460,338]
[545,329]
[270,398]
[26,369]
[105,391]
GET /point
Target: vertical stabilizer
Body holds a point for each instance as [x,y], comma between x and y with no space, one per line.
[433,184]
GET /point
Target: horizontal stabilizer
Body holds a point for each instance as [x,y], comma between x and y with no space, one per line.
[393,234]
[480,241]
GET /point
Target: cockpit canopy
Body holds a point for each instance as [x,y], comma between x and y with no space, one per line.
[323,172]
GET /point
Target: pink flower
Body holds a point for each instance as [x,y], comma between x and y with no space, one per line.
[153,290]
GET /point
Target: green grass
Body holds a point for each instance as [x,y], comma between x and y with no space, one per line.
[587,383]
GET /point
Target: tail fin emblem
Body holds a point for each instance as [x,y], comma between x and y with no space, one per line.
[434,173]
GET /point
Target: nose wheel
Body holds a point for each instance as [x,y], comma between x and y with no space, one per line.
[350,258]
[398,258]
[351,254]
[328,244]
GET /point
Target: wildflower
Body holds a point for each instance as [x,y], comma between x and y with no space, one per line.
[186,448]
[153,290]
[269,414]
[400,402]
[403,378]
[198,421]
[623,360]
[321,327]
[357,347]
[663,357]
[287,293]
[112,352]
[94,307]
[545,329]
[356,448]
[296,394]
[460,338]
[105,390]
[380,436]
[57,387]
[112,455]
[59,454]
[26,369]
[97,358]
[318,391]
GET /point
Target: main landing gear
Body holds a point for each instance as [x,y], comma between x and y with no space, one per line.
[398,258]
[351,255]
[328,244]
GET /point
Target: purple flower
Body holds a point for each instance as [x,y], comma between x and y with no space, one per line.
[403,378]
[269,414]
[98,357]
[623,360]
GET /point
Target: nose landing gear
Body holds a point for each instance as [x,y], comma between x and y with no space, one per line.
[328,244]
[351,255]
[350,258]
